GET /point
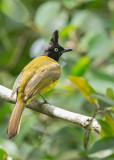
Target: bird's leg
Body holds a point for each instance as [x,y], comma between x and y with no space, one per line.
[45,101]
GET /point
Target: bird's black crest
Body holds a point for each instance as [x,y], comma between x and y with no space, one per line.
[54,50]
[54,39]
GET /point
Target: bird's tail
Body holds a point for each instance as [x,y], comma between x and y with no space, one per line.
[15,119]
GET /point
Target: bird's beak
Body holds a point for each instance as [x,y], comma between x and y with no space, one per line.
[67,50]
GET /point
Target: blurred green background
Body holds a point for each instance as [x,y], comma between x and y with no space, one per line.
[86,26]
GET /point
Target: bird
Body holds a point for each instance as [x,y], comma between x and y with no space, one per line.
[39,76]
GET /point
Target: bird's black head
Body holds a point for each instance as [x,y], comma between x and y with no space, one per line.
[54,50]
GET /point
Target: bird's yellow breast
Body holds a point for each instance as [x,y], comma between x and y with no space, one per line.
[51,86]
[39,76]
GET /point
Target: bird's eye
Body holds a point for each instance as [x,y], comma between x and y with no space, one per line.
[56,49]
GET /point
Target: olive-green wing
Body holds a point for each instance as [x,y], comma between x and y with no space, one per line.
[42,78]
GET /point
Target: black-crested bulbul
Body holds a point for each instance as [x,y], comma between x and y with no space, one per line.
[38,77]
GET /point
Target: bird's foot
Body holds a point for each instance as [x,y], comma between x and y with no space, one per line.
[45,101]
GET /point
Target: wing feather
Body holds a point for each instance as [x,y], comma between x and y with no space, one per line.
[17,84]
[42,79]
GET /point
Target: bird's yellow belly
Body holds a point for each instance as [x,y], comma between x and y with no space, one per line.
[49,87]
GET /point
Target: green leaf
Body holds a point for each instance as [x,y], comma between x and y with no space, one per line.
[87,21]
[65,31]
[99,46]
[10,147]
[110,121]
[69,4]
[111,108]
[50,17]
[103,148]
[104,155]
[3,154]
[106,129]
[102,98]
[15,10]
[79,18]
[110,93]
[103,144]
[103,75]
[44,13]
[84,87]
[80,67]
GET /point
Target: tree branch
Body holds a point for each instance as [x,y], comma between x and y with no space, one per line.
[53,111]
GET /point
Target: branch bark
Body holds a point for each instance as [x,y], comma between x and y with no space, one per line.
[53,111]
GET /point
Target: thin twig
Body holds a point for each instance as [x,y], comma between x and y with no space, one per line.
[87,135]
